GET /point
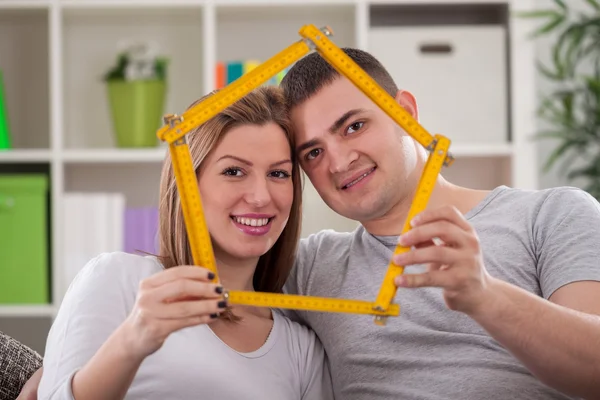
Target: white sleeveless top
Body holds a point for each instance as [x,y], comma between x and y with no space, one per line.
[193,363]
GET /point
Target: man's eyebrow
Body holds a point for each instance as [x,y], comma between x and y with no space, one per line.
[342,120]
[332,129]
[306,145]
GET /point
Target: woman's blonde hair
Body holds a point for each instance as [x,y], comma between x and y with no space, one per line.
[264,105]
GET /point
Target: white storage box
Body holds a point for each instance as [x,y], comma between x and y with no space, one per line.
[457,74]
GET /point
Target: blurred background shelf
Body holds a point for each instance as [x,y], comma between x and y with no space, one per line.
[114,155]
[26,311]
[25,156]
[54,54]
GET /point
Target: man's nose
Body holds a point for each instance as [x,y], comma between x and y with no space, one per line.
[341,156]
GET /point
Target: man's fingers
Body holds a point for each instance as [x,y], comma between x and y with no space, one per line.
[435,278]
[448,213]
[436,231]
[430,254]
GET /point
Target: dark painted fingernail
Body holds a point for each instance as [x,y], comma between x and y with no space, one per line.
[219,289]
[211,275]
[213,316]
[222,304]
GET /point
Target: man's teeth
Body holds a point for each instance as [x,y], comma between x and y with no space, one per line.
[354,182]
[251,221]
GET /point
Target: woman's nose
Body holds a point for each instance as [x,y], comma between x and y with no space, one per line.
[258,193]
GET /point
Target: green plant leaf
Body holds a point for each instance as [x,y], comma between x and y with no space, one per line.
[561,4]
[547,72]
[549,26]
[595,4]
[548,13]
[560,151]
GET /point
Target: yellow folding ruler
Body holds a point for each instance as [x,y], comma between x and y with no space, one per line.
[177,126]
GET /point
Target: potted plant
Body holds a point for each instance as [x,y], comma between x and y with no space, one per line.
[572,109]
[136,88]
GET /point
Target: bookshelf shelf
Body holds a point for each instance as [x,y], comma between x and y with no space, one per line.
[114,156]
[23,4]
[54,53]
[481,150]
[25,156]
[139,4]
[26,311]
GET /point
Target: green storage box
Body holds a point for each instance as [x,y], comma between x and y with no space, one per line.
[24,239]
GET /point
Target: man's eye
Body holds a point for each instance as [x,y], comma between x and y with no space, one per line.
[355,126]
[312,154]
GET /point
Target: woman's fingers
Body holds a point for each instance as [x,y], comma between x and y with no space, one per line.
[174,325]
[176,273]
[185,289]
[189,309]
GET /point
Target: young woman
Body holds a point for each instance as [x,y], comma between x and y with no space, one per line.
[146,327]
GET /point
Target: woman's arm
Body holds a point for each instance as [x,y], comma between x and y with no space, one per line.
[119,310]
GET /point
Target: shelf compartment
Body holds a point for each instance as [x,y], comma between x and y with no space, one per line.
[91,40]
[482,172]
[247,33]
[29,328]
[457,59]
[24,55]
[139,182]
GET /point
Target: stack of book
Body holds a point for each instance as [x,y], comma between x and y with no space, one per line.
[228,71]
[95,223]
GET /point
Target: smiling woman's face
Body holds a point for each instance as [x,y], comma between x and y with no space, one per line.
[247,190]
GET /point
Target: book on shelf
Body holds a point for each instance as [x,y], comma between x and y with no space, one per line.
[228,71]
[96,223]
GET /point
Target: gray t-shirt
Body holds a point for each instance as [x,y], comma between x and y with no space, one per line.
[537,240]
[193,363]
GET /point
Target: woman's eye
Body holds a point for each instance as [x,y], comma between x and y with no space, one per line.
[233,172]
[313,154]
[281,174]
[355,126]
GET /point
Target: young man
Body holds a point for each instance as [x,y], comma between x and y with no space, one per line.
[507,307]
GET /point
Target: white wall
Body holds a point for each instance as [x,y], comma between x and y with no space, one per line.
[554,177]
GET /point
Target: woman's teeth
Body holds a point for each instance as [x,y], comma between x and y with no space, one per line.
[251,221]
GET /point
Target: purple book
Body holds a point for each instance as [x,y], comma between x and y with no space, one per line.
[141,228]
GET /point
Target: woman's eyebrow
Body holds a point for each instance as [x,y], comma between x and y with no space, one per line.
[287,160]
[236,158]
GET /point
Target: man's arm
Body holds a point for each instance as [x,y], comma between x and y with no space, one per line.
[558,343]
[557,339]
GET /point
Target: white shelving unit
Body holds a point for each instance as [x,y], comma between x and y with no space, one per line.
[54,52]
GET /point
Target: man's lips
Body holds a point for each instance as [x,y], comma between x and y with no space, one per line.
[354,179]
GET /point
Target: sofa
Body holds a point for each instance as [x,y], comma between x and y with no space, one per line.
[18,363]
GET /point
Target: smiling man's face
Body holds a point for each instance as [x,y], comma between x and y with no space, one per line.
[357,158]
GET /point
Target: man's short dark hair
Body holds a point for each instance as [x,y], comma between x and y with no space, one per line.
[312,72]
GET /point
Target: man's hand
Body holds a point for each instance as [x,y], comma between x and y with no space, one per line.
[456,265]
[29,390]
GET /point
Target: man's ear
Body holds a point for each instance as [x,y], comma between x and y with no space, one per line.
[408,102]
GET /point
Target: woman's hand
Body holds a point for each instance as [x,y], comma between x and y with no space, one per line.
[168,301]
